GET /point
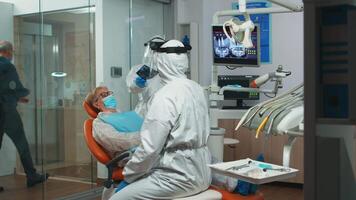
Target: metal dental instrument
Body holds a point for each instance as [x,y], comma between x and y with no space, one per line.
[287,98]
[290,103]
[265,120]
[270,103]
[243,119]
[240,166]
[279,102]
[243,123]
[259,106]
[277,169]
[252,116]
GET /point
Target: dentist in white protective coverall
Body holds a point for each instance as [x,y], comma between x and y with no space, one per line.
[171,161]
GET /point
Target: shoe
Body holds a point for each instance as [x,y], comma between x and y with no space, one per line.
[1,189]
[35,179]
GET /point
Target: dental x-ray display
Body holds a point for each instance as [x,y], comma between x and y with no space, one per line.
[230,54]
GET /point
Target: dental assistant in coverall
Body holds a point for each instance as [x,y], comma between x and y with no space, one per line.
[171,161]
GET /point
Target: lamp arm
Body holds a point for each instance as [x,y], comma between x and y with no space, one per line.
[289,4]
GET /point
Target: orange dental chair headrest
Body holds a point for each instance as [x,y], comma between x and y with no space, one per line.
[92,112]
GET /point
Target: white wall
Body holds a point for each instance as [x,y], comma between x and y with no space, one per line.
[8,151]
[287,40]
[23,7]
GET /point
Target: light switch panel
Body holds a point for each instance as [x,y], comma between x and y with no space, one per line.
[116,72]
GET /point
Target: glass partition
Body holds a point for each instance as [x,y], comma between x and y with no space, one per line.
[56,62]
[67,74]
[67,77]
[20,117]
[60,55]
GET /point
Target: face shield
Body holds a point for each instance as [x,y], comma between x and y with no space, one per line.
[139,76]
[148,57]
[146,72]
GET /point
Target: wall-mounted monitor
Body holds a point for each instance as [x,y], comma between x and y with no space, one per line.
[227,53]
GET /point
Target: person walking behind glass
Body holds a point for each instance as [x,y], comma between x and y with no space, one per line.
[12,92]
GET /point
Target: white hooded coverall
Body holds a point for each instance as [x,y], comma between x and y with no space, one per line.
[171,161]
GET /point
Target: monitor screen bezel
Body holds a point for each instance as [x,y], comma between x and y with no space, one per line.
[232,62]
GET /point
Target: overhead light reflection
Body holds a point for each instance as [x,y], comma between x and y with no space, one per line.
[59,74]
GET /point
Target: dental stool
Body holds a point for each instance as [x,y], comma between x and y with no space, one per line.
[114,172]
[214,193]
[206,195]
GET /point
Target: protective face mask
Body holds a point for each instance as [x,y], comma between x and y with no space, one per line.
[110,102]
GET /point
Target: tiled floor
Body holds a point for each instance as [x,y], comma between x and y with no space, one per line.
[15,189]
[281,191]
[83,172]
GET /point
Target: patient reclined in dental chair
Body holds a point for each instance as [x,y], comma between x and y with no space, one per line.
[115,141]
[115,131]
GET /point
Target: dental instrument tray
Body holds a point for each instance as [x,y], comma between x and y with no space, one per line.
[253,171]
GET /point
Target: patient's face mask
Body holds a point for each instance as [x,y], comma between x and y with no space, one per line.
[110,102]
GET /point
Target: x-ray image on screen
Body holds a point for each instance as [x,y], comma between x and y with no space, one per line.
[229,53]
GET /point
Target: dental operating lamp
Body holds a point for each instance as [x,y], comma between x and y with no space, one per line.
[240,32]
[289,4]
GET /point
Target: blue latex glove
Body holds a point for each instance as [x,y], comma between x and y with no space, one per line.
[243,188]
[140,82]
[121,186]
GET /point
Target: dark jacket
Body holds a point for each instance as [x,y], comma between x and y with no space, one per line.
[11,88]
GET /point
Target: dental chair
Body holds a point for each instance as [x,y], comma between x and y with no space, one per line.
[114,172]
